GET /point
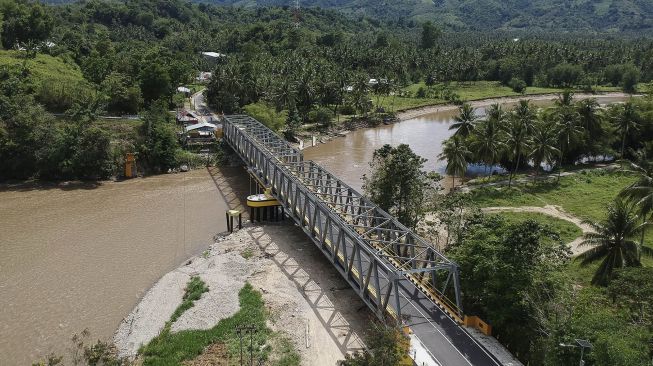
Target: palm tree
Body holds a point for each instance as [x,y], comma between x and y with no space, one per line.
[640,193]
[521,123]
[496,115]
[456,154]
[487,144]
[465,121]
[626,121]
[590,117]
[568,130]
[612,243]
[565,99]
[542,145]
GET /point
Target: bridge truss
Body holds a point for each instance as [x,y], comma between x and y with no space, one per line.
[370,248]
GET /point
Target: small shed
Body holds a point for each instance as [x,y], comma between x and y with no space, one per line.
[185,117]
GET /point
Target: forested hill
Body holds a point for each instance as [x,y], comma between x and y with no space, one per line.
[533,15]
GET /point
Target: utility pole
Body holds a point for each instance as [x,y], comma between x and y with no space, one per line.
[244,329]
[296,13]
[582,344]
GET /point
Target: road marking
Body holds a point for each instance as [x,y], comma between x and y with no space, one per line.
[414,337]
[467,334]
[434,327]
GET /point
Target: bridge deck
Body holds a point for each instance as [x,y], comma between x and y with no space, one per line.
[395,272]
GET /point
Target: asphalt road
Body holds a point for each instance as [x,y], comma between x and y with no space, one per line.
[448,342]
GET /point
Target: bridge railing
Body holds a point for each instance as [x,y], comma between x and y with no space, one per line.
[369,247]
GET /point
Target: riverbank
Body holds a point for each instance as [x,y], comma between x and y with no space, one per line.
[481,103]
[309,303]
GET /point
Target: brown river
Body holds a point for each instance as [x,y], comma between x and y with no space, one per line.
[81,256]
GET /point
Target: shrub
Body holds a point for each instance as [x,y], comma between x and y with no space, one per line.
[324,116]
[347,110]
[267,115]
[565,75]
[517,85]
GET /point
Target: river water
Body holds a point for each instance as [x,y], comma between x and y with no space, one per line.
[81,256]
[348,157]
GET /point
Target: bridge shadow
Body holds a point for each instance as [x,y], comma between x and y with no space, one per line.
[233,186]
[336,305]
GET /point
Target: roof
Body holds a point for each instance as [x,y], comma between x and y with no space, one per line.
[213,54]
[183,89]
[200,125]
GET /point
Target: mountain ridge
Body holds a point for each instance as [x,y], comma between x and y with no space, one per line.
[605,16]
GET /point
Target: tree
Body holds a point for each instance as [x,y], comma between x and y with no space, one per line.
[625,121]
[293,122]
[122,96]
[487,144]
[542,145]
[397,183]
[517,85]
[25,24]
[155,82]
[630,79]
[590,119]
[521,121]
[511,273]
[385,347]
[456,154]
[158,146]
[565,75]
[566,117]
[612,244]
[613,74]
[465,122]
[430,35]
[224,92]
[640,192]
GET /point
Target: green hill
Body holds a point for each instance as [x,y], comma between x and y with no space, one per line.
[543,15]
[56,82]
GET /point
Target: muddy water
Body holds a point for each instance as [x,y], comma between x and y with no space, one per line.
[81,256]
[348,157]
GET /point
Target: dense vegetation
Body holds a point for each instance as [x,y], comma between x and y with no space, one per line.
[123,57]
[552,15]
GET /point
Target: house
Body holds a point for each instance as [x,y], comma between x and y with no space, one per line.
[204,77]
[184,90]
[200,133]
[186,118]
[213,55]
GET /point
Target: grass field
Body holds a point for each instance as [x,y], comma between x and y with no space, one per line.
[584,195]
[172,348]
[468,91]
[567,230]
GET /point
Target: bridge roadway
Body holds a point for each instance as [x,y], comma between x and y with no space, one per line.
[398,275]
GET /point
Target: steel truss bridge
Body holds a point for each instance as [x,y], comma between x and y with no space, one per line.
[399,275]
